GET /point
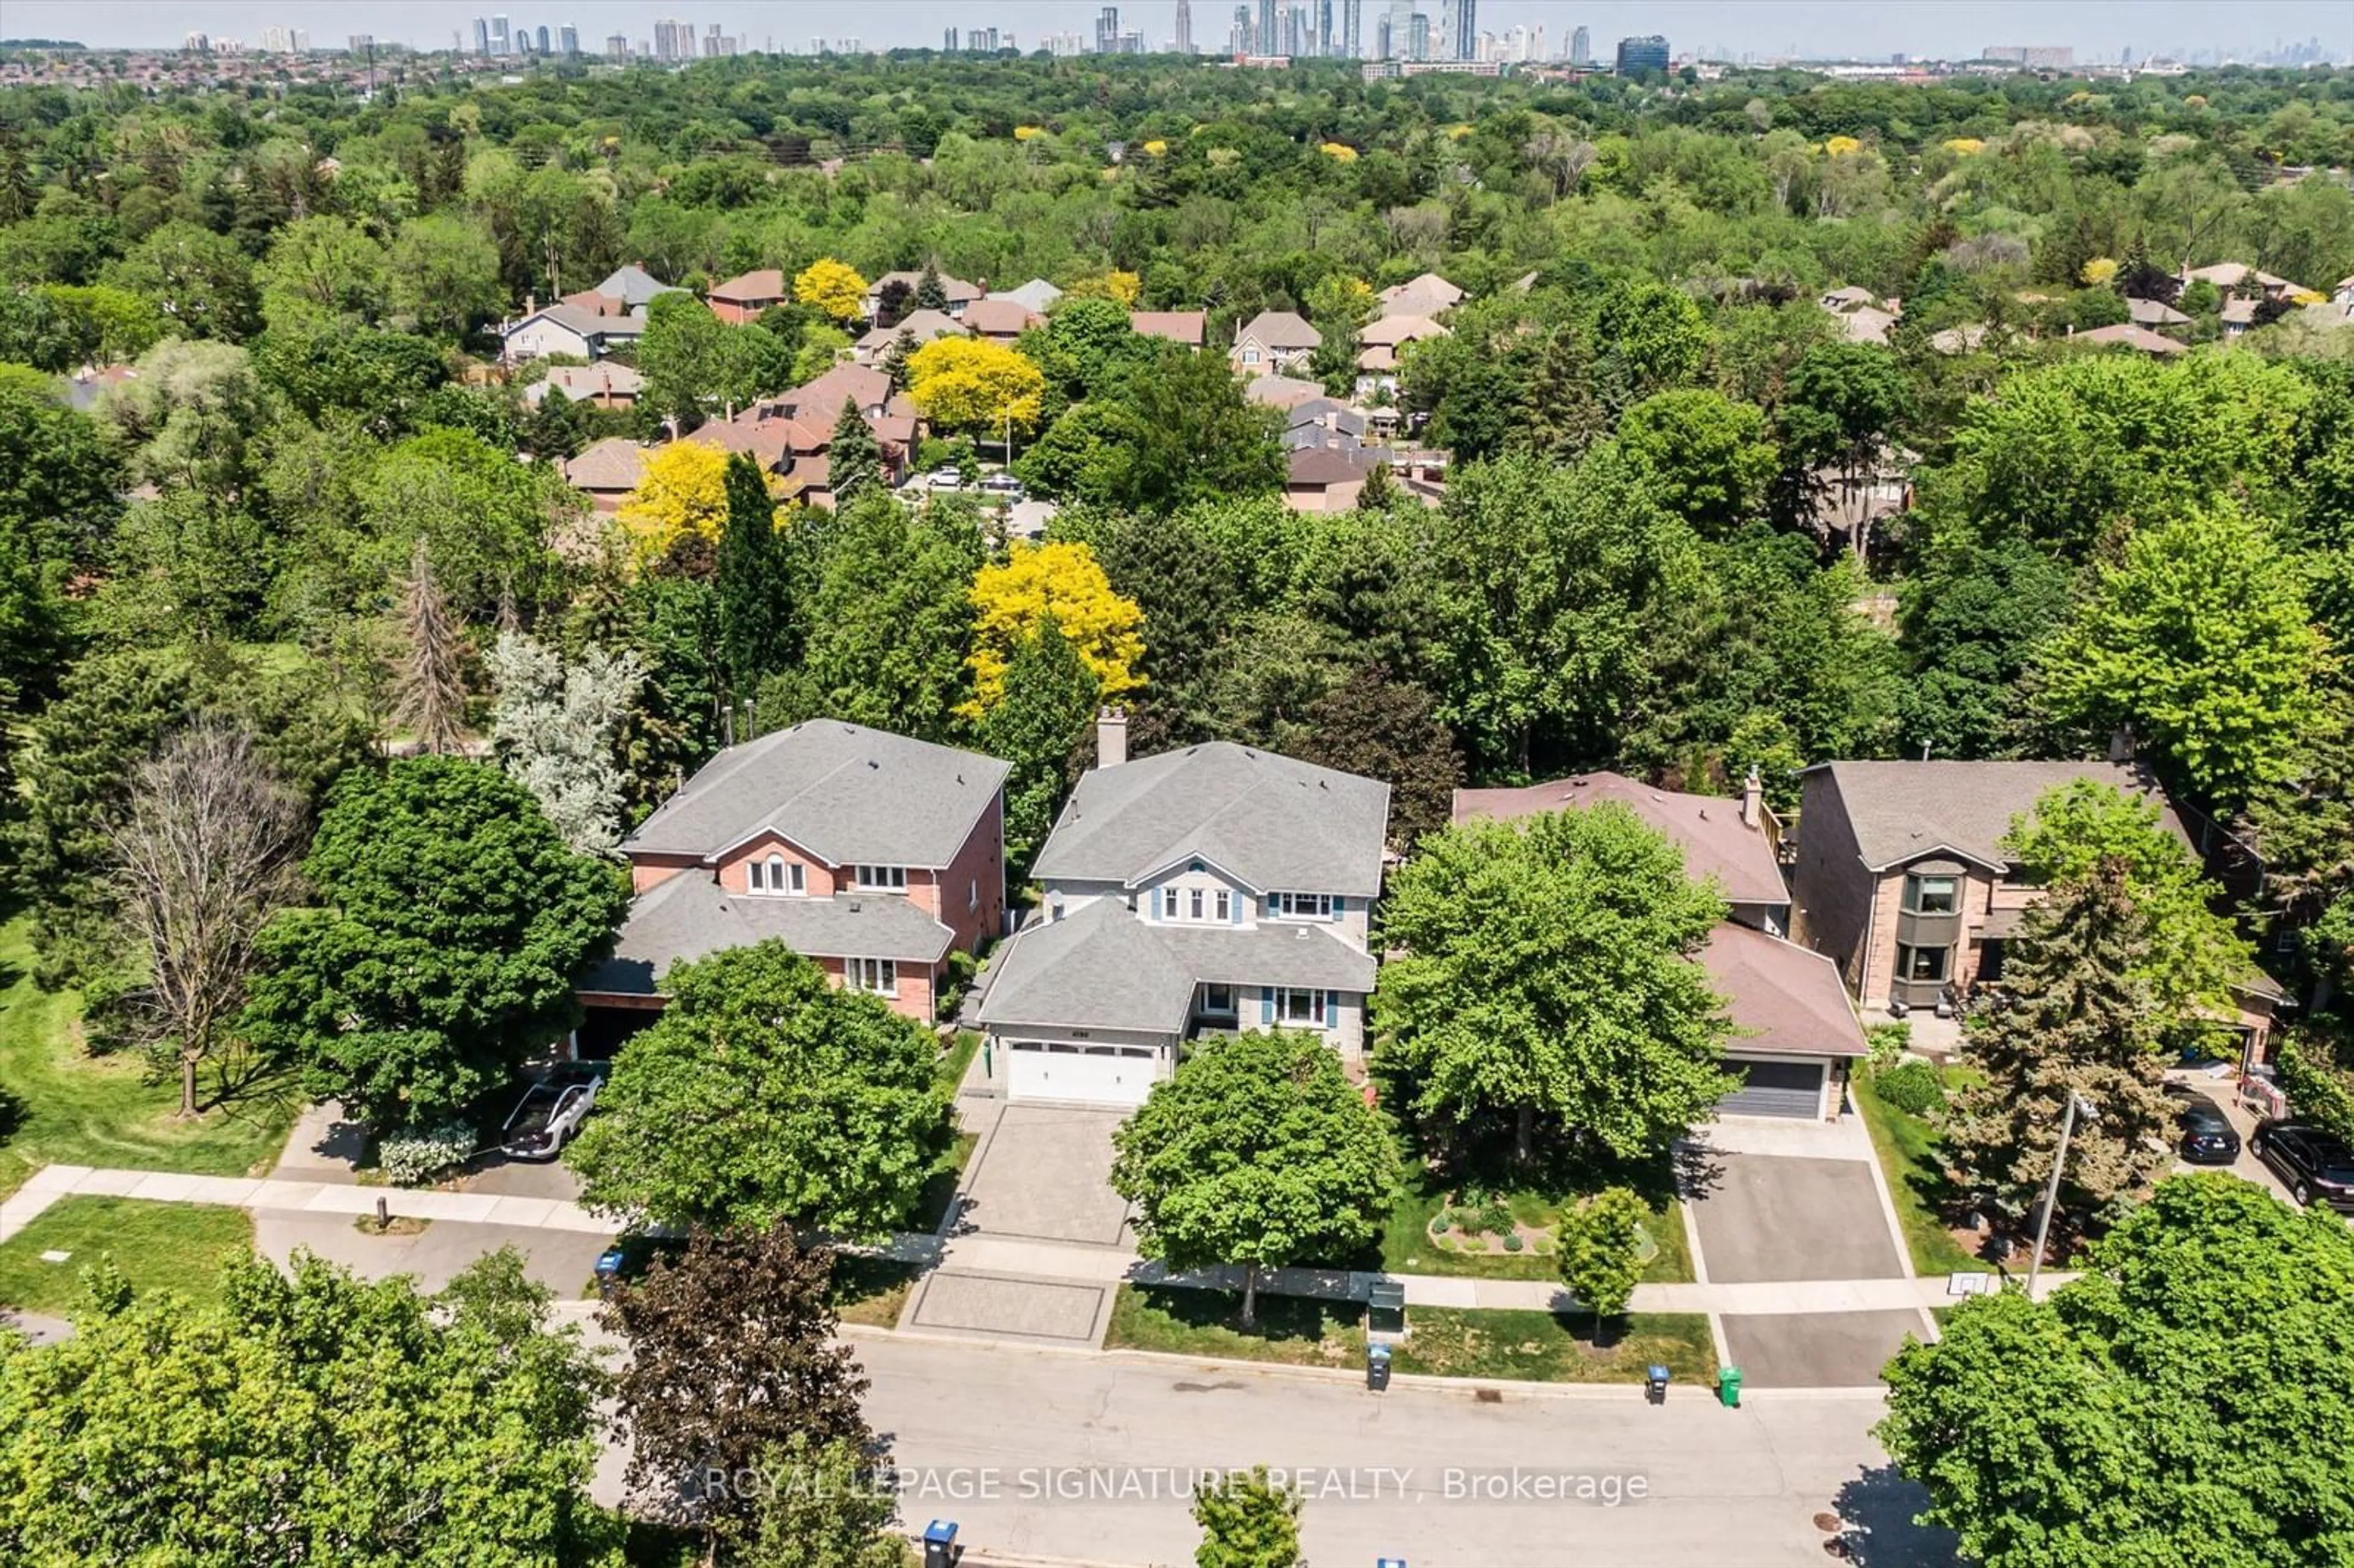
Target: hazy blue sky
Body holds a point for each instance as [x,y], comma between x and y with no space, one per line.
[1861,28]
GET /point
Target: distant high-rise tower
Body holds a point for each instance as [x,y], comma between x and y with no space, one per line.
[1184,35]
[1645,55]
[1352,29]
[1401,30]
[502,42]
[1238,37]
[1418,37]
[1267,36]
[1581,47]
[481,36]
[545,38]
[1108,30]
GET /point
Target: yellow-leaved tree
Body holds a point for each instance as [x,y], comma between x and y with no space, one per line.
[971,383]
[684,490]
[1012,600]
[1122,289]
[833,287]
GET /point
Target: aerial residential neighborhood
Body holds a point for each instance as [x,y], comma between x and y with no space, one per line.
[1119,785]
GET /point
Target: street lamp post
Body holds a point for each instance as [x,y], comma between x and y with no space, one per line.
[2052,1188]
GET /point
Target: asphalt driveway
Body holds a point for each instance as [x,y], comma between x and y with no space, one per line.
[1816,1349]
[1043,1174]
[1775,1217]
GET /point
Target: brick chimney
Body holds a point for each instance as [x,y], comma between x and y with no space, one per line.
[1111,736]
[1753,795]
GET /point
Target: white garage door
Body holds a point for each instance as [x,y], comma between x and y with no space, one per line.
[1084,1074]
[1775,1088]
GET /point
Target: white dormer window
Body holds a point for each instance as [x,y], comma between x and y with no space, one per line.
[879,878]
[1226,907]
[1300,906]
[776,874]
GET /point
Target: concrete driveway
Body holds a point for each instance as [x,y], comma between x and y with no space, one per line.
[1776,1217]
[1043,1174]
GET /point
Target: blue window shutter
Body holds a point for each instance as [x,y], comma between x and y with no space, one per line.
[1339,907]
[1233,909]
[1266,1004]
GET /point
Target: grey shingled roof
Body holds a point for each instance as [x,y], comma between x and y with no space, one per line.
[691,916]
[845,793]
[1103,968]
[1900,811]
[1273,822]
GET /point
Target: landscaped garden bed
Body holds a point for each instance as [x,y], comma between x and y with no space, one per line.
[1522,1346]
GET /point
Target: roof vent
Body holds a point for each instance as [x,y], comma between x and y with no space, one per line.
[855,907]
[872,763]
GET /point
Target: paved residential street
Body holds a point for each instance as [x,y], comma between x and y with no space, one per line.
[1726,1488]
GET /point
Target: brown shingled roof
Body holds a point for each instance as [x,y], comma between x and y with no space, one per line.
[1716,841]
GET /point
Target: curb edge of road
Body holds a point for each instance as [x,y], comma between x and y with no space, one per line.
[1341,1376]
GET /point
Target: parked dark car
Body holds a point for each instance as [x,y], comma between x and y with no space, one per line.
[2208,1137]
[551,1111]
[2317,1166]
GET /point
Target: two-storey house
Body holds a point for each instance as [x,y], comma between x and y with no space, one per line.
[1216,888]
[1796,1034]
[874,854]
[1900,877]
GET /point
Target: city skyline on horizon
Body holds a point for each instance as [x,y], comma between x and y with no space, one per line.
[1800,29]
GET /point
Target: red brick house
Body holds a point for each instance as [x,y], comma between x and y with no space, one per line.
[872,854]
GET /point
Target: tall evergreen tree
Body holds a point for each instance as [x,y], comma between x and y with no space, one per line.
[931,294]
[430,685]
[759,581]
[2075,1015]
[854,458]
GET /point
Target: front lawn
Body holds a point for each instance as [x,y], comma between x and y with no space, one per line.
[156,1246]
[1907,1147]
[1407,1246]
[62,1106]
[870,1291]
[1295,1330]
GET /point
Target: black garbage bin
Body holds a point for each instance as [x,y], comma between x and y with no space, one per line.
[940,1544]
[1377,1366]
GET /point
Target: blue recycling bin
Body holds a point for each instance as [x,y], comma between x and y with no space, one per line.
[940,1544]
[609,1270]
[1655,1384]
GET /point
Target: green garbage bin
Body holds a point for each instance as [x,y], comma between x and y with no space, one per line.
[1728,1387]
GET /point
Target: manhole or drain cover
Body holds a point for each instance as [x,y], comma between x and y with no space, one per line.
[56,1257]
[1829,1523]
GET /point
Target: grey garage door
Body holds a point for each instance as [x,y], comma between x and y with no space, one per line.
[1775,1088]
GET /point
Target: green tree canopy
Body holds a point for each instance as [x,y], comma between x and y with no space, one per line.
[2196,956]
[1257,1151]
[2181,1403]
[311,1419]
[1549,977]
[764,1093]
[2201,641]
[451,921]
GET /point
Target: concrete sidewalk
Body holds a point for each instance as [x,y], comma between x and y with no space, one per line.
[51,1183]
[973,1254]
